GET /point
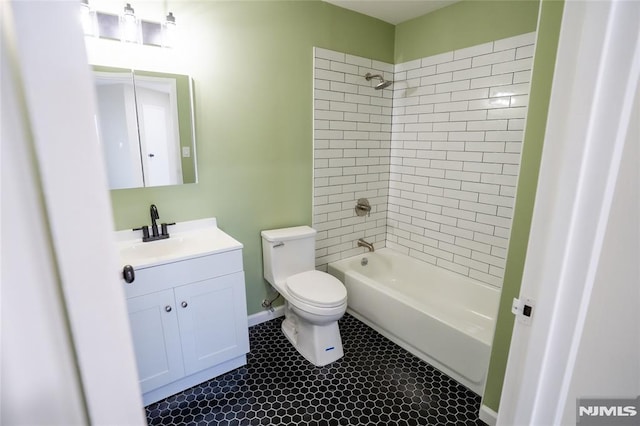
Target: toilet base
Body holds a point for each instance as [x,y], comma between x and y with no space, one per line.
[319,344]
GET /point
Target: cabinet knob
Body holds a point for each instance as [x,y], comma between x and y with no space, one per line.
[128,274]
[167,308]
[184,304]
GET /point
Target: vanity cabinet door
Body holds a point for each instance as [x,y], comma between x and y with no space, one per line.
[156,339]
[213,321]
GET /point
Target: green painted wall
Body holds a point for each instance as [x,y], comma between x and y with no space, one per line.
[543,67]
[463,24]
[252,67]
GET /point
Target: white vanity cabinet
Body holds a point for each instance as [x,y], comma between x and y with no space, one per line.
[188,321]
[155,333]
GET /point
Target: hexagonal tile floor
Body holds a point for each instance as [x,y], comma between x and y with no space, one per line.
[375,383]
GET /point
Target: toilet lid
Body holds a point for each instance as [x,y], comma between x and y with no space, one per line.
[317,288]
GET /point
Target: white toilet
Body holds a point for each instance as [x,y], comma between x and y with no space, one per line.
[314,300]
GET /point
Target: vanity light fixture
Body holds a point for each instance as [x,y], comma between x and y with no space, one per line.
[128,27]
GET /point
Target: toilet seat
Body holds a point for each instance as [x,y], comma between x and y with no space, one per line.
[317,289]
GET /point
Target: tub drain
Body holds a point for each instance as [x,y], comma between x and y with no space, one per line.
[364,261]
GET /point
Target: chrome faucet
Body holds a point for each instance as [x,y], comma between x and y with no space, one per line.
[363,243]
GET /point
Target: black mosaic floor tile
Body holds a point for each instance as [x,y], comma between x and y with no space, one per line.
[375,383]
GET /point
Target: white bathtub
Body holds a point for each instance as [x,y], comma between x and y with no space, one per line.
[444,318]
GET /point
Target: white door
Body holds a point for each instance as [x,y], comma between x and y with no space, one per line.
[203,305]
[158,128]
[55,108]
[611,319]
[156,339]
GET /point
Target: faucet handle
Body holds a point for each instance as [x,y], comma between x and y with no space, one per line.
[163,228]
[145,231]
[363,207]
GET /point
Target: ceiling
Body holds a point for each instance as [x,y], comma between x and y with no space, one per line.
[392,11]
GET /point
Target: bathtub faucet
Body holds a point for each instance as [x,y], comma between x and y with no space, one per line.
[363,243]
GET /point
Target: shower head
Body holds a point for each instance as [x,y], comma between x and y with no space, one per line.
[383,83]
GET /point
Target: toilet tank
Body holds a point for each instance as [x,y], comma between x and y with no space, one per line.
[288,251]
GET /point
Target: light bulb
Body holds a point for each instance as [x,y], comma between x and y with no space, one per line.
[129,25]
[86,18]
[169,31]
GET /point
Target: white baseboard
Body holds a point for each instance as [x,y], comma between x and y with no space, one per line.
[487,415]
[265,316]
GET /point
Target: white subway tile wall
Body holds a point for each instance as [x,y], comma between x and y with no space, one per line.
[455,155]
[440,167]
[352,147]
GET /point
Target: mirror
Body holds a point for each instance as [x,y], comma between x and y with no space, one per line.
[145,123]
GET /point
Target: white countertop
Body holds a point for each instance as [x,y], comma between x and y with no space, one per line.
[187,240]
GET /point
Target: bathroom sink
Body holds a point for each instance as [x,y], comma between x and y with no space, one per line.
[187,240]
[161,248]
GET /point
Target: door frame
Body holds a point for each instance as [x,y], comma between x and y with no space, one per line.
[594,85]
